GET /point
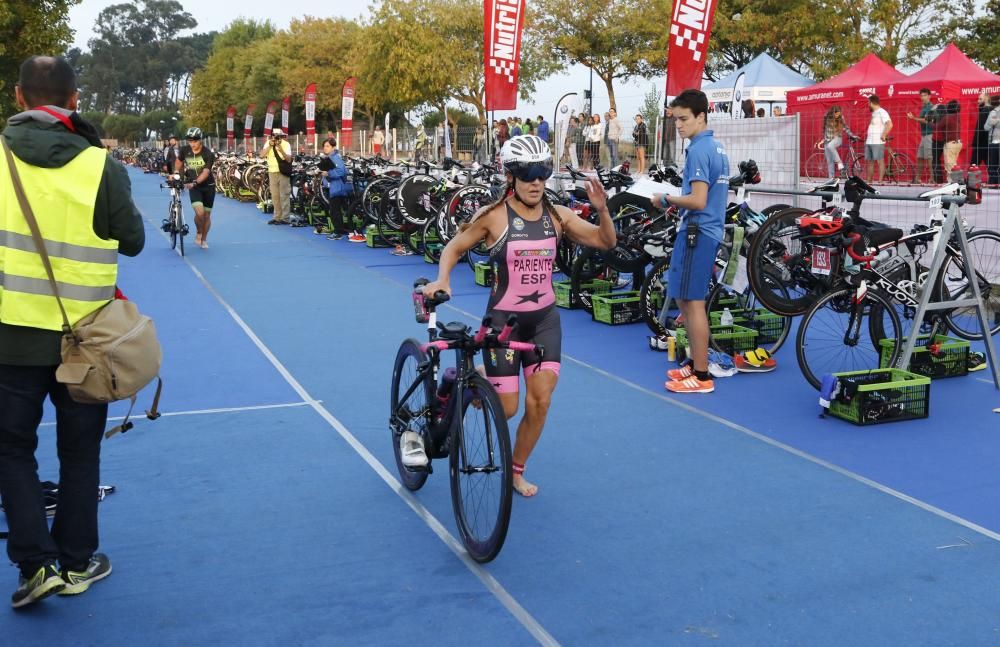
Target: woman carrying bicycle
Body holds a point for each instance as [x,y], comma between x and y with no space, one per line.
[834,128]
[522,231]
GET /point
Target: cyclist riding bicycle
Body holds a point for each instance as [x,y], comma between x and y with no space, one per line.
[522,231]
[195,162]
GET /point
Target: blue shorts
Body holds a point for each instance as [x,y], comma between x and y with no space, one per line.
[691,268]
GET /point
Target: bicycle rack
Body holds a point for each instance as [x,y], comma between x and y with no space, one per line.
[951,224]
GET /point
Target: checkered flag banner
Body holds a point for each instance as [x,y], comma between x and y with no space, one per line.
[690,30]
[503,21]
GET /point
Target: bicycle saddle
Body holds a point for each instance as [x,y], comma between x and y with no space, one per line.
[453,330]
[949,189]
[876,238]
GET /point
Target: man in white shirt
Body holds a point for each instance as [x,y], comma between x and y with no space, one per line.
[614,134]
[878,131]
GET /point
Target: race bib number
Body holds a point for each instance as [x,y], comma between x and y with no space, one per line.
[822,260]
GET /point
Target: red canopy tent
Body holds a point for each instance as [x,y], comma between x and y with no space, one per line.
[850,90]
[952,75]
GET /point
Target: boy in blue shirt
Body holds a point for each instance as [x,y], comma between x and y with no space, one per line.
[702,210]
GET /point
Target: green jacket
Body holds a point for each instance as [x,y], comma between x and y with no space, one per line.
[46,143]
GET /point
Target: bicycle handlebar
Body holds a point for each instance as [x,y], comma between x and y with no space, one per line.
[849,241]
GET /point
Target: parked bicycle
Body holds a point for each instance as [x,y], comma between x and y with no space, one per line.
[899,167]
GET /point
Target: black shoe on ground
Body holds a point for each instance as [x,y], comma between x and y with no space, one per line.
[79,581]
[39,586]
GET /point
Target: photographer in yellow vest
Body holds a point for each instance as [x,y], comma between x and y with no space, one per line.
[82,201]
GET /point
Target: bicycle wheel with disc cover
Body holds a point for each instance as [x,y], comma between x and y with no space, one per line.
[479,464]
[414,200]
[410,411]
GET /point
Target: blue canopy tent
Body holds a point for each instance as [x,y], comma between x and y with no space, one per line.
[764,80]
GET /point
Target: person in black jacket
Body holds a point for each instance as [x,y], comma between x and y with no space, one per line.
[981,138]
[48,135]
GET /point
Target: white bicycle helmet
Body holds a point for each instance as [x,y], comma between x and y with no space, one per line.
[526,154]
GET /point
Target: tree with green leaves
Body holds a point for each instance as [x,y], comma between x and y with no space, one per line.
[979,37]
[29,27]
[617,39]
[652,106]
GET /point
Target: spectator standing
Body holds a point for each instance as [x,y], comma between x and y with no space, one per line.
[378,139]
[879,127]
[981,138]
[479,146]
[749,110]
[761,113]
[580,140]
[338,191]
[614,136]
[834,128]
[641,139]
[993,128]
[543,129]
[952,129]
[280,184]
[669,137]
[569,144]
[503,133]
[81,199]
[925,151]
[529,128]
[594,137]
[515,128]
[776,111]
[170,153]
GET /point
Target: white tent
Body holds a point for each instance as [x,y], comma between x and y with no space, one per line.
[763,79]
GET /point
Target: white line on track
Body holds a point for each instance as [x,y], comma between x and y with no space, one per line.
[492,585]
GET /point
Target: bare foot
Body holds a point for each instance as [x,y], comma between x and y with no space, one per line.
[523,487]
[204,244]
[197,240]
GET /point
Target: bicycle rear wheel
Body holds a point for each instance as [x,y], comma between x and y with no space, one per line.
[174,229]
[984,247]
[816,169]
[410,412]
[481,474]
[180,228]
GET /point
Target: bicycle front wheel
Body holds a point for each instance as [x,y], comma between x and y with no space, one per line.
[175,231]
[180,228]
[984,247]
[410,401]
[836,336]
[482,483]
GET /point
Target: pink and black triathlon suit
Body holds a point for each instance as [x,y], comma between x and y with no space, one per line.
[523,261]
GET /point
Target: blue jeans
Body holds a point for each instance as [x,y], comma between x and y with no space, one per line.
[79,429]
[612,153]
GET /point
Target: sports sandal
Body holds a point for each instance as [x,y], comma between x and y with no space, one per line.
[690,385]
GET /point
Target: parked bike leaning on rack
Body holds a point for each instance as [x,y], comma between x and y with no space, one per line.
[521,231]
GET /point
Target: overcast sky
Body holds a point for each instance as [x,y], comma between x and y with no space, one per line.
[214,15]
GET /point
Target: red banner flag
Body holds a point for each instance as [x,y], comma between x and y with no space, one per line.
[286,105]
[503,21]
[690,30]
[347,113]
[248,122]
[269,117]
[311,109]
[230,126]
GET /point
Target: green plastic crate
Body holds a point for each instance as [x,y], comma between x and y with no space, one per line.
[563,291]
[767,324]
[484,274]
[953,362]
[883,395]
[617,308]
[372,239]
[732,340]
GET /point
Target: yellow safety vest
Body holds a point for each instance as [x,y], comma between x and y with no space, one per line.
[85,266]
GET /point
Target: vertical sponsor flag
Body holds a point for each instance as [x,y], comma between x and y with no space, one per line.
[735,107]
[286,106]
[347,113]
[248,123]
[503,21]
[564,110]
[269,117]
[311,110]
[230,126]
[690,30]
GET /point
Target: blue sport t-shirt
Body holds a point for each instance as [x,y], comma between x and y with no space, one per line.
[706,161]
